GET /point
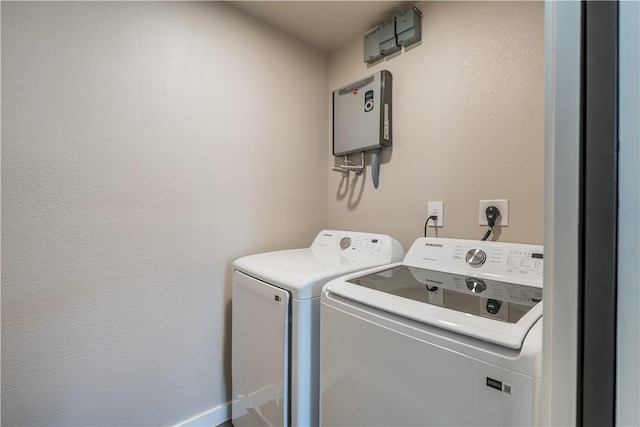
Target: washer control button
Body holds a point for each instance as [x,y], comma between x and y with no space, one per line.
[476,257]
[345,242]
[493,306]
[476,285]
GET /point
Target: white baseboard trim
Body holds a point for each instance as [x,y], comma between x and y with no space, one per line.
[211,418]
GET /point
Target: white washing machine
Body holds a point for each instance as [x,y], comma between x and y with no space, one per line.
[276,324]
[450,336]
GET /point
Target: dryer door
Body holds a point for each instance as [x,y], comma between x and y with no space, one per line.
[260,353]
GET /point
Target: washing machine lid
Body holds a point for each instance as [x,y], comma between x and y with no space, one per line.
[498,312]
[333,253]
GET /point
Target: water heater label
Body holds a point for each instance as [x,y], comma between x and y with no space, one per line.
[385,130]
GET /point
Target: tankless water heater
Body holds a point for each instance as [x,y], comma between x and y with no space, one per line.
[362,115]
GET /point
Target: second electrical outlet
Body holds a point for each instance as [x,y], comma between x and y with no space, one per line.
[436,208]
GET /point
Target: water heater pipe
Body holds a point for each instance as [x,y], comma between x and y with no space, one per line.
[375,167]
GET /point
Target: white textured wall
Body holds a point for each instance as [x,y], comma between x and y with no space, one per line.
[468,125]
[145,147]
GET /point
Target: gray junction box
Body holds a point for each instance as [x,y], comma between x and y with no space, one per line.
[387,37]
[362,115]
[372,47]
[408,26]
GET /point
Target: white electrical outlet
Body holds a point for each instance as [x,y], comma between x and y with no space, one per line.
[435,208]
[503,207]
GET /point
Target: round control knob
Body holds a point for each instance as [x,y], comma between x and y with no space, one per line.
[345,242]
[475,257]
[368,106]
[493,306]
[476,285]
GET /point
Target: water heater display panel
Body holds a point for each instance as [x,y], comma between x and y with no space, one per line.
[362,115]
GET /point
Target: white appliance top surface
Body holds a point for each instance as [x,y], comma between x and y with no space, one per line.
[303,272]
[497,300]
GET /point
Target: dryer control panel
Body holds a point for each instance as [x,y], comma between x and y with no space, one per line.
[511,262]
[355,245]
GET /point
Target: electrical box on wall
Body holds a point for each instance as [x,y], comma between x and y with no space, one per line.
[387,37]
[362,115]
[408,27]
[372,47]
[404,29]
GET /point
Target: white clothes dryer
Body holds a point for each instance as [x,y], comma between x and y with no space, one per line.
[450,336]
[276,324]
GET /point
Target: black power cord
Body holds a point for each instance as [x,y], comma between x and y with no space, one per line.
[492,214]
[435,222]
[487,234]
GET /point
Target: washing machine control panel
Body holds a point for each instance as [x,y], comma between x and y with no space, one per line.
[512,262]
